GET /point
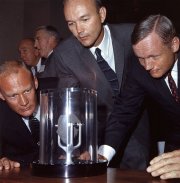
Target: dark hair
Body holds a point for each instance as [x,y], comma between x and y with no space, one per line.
[51,30]
[159,24]
[99,3]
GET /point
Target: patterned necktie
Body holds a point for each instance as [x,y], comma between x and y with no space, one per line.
[173,87]
[108,72]
[34,127]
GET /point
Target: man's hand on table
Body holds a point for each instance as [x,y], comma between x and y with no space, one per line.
[7,164]
[86,156]
[100,157]
[167,165]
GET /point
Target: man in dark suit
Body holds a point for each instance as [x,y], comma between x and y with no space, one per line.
[18,102]
[30,55]
[46,39]
[76,62]
[156,45]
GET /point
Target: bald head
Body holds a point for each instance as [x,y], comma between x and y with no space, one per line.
[28,53]
[12,66]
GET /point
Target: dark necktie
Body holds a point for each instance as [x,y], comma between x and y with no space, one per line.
[34,127]
[43,61]
[173,87]
[108,72]
[35,70]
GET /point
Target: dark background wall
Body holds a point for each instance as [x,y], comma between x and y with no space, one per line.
[19,18]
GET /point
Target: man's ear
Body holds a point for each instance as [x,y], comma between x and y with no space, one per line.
[35,82]
[175,44]
[102,12]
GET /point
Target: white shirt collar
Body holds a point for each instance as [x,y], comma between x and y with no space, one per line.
[36,114]
[174,74]
[39,65]
[175,68]
[104,45]
[50,53]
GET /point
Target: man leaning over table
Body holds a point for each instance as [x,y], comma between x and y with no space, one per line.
[18,101]
[96,56]
[156,45]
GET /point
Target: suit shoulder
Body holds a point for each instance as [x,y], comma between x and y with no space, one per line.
[122,27]
[122,31]
[66,45]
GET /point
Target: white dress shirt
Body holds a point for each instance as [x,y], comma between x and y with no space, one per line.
[38,66]
[106,48]
[174,74]
[35,114]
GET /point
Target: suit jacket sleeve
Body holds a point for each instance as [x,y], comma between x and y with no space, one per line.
[126,110]
[65,75]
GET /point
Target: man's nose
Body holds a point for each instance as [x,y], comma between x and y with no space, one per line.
[23,100]
[22,55]
[148,64]
[78,28]
[36,44]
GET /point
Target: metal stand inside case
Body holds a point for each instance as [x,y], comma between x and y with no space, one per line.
[68,134]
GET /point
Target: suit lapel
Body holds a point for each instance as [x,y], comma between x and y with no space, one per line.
[89,60]
[118,50]
[14,124]
[163,89]
[100,83]
[44,63]
[119,59]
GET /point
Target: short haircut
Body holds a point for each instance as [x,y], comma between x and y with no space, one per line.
[99,3]
[12,66]
[159,24]
[51,30]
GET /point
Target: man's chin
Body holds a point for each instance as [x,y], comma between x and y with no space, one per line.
[157,76]
[86,44]
[26,113]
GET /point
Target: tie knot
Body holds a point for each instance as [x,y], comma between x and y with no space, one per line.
[33,119]
[34,127]
[35,69]
[43,60]
[98,52]
[169,74]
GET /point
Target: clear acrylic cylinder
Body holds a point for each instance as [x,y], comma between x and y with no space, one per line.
[68,134]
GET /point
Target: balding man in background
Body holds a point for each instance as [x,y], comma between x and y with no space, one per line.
[30,55]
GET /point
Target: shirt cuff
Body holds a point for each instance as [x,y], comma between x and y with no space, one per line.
[106,151]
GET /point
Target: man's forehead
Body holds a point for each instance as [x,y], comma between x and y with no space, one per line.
[41,33]
[19,74]
[15,85]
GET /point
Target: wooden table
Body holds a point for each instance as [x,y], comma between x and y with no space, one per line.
[112,176]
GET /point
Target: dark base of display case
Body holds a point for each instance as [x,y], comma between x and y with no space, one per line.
[67,171]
